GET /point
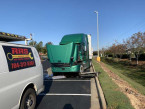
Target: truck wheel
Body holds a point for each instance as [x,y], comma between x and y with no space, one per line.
[28,99]
[67,76]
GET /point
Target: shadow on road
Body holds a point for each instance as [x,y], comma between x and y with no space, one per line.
[68,106]
[47,85]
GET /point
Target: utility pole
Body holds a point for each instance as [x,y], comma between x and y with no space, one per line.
[98,56]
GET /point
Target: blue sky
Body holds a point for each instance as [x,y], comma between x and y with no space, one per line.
[49,20]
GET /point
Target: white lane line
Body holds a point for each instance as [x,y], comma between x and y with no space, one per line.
[65,94]
[67,80]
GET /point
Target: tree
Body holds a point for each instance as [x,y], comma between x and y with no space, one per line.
[113,50]
[121,49]
[33,43]
[129,47]
[49,43]
[95,53]
[39,46]
[44,50]
[102,52]
[136,44]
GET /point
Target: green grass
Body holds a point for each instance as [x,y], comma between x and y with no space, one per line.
[114,97]
[133,75]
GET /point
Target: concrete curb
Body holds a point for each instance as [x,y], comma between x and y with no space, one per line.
[100,92]
[95,103]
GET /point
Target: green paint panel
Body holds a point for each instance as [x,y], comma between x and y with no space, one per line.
[60,53]
[75,38]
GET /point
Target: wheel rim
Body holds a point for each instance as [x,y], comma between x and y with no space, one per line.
[29,102]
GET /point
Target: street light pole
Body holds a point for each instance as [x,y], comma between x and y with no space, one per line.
[98,57]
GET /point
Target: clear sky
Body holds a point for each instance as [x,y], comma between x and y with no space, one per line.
[49,20]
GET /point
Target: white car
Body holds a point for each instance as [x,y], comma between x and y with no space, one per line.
[21,76]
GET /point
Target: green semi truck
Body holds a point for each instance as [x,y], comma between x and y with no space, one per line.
[72,56]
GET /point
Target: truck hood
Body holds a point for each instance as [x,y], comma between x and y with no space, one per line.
[60,53]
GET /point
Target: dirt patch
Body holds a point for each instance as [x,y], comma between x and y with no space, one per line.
[137,100]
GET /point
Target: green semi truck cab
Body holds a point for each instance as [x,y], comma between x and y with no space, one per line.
[72,56]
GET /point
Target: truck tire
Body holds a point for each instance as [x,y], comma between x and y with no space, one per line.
[29,99]
[67,76]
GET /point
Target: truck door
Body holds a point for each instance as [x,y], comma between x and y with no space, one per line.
[85,50]
[6,84]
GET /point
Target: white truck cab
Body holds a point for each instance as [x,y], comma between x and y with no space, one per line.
[21,76]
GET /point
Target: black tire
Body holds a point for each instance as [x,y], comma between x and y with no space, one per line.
[29,99]
[67,76]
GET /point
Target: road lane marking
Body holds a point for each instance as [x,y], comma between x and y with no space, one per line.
[67,80]
[42,94]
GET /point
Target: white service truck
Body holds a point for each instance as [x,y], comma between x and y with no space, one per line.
[21,76]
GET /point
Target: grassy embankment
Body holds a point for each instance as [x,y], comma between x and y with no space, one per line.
[114,97]
[134,75]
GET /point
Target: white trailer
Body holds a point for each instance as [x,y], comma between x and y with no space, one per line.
[90,47]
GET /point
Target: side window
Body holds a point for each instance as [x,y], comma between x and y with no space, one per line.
[37,60]
[3,62]
[85,43]
[79,47]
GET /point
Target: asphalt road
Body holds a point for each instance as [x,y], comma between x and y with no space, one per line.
[66,93]
[46,65]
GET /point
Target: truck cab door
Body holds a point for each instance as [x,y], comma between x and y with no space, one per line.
[84,54]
